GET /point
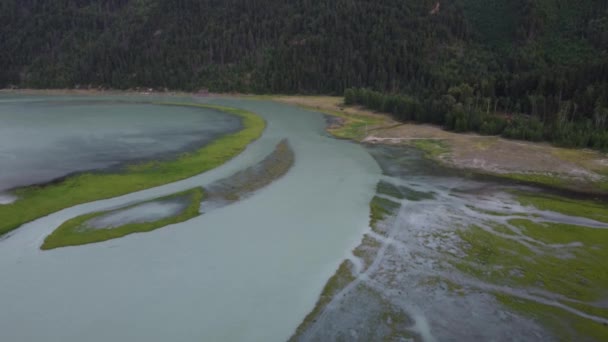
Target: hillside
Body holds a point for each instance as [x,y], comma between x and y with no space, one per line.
[501,48]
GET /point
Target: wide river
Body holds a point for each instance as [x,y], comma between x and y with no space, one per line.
[456,258]
[249,271]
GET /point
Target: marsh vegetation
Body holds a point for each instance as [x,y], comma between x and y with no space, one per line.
[38,200]
[516,256]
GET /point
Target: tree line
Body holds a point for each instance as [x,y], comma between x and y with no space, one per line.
[461,111]
[535,69]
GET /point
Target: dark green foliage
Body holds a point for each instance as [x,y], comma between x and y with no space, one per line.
[243,45]
[524,69]
[579,132]
[524,128]
[473,65]
[380,209]
[386,188]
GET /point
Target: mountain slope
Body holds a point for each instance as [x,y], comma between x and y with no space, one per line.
[418,47]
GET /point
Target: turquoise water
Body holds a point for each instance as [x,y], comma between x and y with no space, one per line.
[250,271]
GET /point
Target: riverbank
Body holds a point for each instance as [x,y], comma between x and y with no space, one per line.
[83,230]
[157,213]
[186,267]
[576,170]
[440,247]
[537,163]
[37,201]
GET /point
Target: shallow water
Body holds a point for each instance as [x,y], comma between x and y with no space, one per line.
[145,212]
[7,198]
[400,277]
[252,270]
[45,138]
[246,272]
[407,272]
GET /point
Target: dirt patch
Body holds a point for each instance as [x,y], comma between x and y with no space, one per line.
[501,156]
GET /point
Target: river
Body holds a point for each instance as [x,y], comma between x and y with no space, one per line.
[249,271]
[458,258]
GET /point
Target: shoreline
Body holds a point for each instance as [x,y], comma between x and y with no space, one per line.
[579,171]
[574,170]
[37,201]
[57,92]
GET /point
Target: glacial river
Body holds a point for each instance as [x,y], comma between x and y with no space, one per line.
[254,269]
[250,271]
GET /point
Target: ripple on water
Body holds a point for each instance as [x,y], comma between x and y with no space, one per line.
[440,262]
[7,198]
[142,213]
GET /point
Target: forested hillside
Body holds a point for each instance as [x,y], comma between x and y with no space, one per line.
[247,45]
[545,58]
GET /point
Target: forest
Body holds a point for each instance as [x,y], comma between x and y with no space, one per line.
[529,69]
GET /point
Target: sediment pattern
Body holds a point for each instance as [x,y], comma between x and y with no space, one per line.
[448,258]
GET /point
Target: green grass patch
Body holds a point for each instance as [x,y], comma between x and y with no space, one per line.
[38,201]
[75,232]
[353,127]
[335,284]
[559,233]
[557,182]
[576,272]
[381,208]
[389,189]
[402,192]
[414,195]
[536,178]
[367,250]
[488,212]
[432,148]
[564,325]
[350,129]
[584,208]
[499,228]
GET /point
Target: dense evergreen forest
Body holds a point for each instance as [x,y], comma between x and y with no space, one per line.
[533,69]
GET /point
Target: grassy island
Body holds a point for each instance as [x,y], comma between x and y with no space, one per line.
[40,200]
[78,231]
[91,227]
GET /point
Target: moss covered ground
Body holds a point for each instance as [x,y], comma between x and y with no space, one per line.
[564,260]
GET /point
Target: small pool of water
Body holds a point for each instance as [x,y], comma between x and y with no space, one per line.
[142,213]
[7,198]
